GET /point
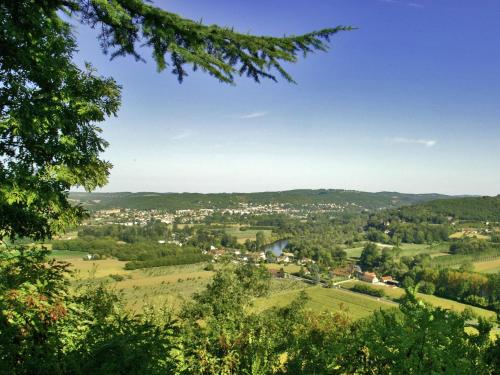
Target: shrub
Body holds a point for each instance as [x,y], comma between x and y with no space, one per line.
[366,289]
[209,267]
[426,287]
[476,301]
[117,277]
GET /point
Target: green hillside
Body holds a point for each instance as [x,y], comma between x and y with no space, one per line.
[470,208]
[176,201]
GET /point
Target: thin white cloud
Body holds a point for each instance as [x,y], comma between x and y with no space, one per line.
[415,141]
[253,115]
[399,2]
[182,135]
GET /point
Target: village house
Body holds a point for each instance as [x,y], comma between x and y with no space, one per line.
[369,277]
[283,259]
[389,280]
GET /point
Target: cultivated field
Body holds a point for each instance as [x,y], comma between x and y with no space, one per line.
[323,299]
[407,249]
[249,234]
[172,286]
[288,268]
[157,287]
[395,293]
[468,233]
[492,266]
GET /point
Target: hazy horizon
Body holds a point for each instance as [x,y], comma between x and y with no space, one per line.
[272,191]
[409,102]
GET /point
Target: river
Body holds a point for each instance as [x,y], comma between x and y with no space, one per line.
[276,247]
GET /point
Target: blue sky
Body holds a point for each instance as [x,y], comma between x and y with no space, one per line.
[409,102]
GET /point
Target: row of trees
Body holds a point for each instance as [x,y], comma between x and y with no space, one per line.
[152,231]
[470,245]
[460,285]
[397,233]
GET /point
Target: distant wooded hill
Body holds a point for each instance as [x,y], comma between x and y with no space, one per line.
[176,201]
[470,208]
[441,210]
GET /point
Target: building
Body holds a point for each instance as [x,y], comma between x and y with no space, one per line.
[369,277]
[389,280]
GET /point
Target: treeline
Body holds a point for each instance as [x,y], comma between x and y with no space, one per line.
[187,256]
[467,287]
[152,231]
[141,254]
[472,208]
[397,233]
[292,198]
[468,245]
[366,289]
[441,211]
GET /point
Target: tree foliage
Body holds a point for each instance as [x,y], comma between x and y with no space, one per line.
[50,107]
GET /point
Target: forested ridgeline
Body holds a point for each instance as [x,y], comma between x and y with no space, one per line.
[442,211]
[293,198]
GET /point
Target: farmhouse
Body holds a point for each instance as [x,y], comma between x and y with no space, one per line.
[389,280]
[370,277]
[283,259]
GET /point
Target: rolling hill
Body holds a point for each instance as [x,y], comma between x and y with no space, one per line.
[176,201]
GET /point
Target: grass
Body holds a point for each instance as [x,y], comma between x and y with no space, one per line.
[249,234]
[407,249]
[324,299]
[395,293]
[461,234]
[492,266]
[289,268]
[157,287]
[354,252]
[172,286]
[67,255]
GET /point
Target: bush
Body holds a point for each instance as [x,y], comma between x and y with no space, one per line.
[469,246]
[117,277]
[476,301]
[426,287]
[209,267]
[366,289]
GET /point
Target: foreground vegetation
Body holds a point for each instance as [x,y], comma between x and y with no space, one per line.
[49,329]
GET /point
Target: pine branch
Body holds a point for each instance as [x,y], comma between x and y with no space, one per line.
[127,25]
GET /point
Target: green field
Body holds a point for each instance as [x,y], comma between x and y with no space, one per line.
[249,234]
[394,293]
[171,286]
[158,287]
[407,249]
[324,299]
[58,254]
[288,268]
